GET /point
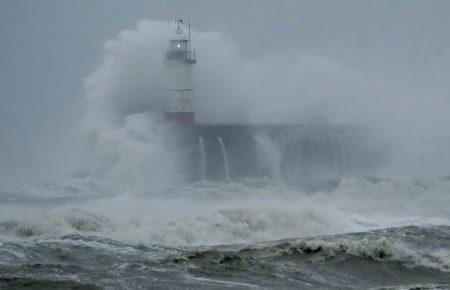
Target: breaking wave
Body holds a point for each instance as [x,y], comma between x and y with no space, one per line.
[387,248]
[255,233]
[225,213]
[396,258]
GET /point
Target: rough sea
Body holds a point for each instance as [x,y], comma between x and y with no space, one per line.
[351,233]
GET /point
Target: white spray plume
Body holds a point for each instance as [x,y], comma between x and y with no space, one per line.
[126,95]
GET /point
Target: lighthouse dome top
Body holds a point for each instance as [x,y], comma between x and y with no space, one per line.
[179,46]
[179,30]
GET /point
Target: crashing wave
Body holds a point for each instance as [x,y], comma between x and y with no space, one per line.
[342,249]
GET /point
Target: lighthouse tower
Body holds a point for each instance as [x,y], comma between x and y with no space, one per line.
[179,61]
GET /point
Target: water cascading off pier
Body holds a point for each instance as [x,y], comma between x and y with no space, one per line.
[289,152]
[282,152]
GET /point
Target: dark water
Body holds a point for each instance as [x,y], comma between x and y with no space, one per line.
[408,257]
[346,234]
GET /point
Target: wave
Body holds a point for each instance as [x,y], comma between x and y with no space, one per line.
[215,227]
[210,213]
[395,258]
[378,246]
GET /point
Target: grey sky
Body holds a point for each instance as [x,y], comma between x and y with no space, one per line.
[48,47]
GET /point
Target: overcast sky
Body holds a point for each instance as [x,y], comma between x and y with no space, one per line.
[48,47]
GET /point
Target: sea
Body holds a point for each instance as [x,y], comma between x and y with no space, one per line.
[346,233]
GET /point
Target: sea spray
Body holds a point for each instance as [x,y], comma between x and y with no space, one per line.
[226,165]
[211,213]
[202,157]
[272,155]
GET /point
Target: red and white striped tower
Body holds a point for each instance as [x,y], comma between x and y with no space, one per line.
[179,61]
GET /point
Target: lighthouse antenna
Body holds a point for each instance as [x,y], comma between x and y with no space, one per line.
[189,31]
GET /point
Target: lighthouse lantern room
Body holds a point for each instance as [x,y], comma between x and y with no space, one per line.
[179,61]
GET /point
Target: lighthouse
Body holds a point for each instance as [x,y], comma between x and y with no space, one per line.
[297,152]
[179,61]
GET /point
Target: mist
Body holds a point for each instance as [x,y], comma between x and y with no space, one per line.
[125,96]
[382,66]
